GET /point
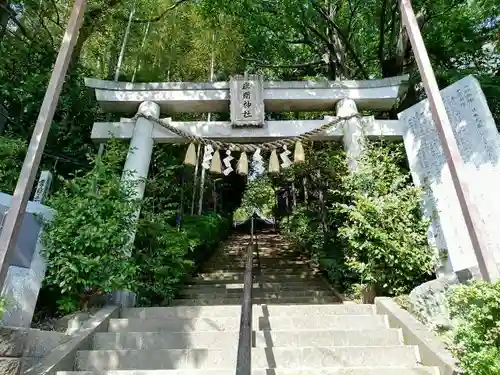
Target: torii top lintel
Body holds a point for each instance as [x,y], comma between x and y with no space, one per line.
[279,96]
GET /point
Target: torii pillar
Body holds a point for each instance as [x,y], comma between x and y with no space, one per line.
[136,169]
[135,174]
[353,132]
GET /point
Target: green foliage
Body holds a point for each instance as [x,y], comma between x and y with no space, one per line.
[12,152]
[475,309]
[3,304]
[259,194]
[87,244]
[364,228]
[384,233]
[162,257]
[289,39]
[205,233]
[24,75]
[165,255]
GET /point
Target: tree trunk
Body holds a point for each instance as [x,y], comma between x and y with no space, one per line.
[93,21]
[4,17]
[394,64]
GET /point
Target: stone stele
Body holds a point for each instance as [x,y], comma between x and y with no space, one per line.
[479,144]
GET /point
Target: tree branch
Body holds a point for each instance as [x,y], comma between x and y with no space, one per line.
[341,34]
[310,42]
[381,41]
[297,41]
[277,66]
[40,17]
[12,15]
[162,15]
[58,22]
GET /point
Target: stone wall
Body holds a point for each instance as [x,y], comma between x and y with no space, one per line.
[20,348]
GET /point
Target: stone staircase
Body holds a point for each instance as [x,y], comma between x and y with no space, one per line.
[300,327]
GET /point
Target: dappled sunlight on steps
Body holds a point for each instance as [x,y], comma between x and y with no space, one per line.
[300,325]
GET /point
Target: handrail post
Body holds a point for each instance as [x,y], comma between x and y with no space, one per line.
[252,230]
[244,358]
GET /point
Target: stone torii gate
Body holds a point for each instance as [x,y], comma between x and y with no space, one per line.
[248,98]
[348,97]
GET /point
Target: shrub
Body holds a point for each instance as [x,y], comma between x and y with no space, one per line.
[386,244]
[12,152]
[475,309]
[384,233]
[164,255]
[87,244]
[373,234]
[88,247]
[161,254]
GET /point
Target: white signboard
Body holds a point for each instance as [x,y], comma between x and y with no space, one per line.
[247,101]
[479,144]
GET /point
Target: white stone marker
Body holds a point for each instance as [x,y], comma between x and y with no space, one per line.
[43,187]
[247,101]
[479,144]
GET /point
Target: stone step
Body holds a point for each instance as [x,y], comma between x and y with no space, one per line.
[238,278]
[256,293]
[280,323]
[185,312]
[236,271]
[256,300]
[313,310]
[371,370]
[238,287]
[263,358]
[190,312]
[207,302]
[220,340]
[293,256]
[264,263]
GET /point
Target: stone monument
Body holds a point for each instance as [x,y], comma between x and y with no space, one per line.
[479,144]
[26,272]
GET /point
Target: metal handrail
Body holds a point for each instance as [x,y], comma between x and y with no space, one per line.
[244,358]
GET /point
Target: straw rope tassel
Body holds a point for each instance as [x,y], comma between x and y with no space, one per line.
[216,163]
[243,164]
[299,156]
[274,163]
[191,158]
